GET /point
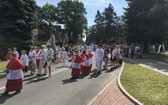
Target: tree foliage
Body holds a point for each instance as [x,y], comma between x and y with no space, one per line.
[147,21]
[47,18]
[72,14]
[17,19]
[106,28]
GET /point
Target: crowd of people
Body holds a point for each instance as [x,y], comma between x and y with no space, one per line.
[39,61]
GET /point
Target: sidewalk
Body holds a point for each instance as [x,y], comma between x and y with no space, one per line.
[111,95]
[159,67]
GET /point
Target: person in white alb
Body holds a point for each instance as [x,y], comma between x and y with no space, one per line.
[15,51]
[32,60]
[64,57]
[43,61]
[24,60]
[99,59]
[50,54]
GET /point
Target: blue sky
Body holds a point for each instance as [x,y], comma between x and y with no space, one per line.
[92,6]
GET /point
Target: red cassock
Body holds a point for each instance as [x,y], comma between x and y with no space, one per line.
[76,63]
[15,75]
[85,64]
[90,60]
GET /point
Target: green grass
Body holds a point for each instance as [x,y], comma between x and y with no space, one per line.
[2,66]
[157,57]
[149,87]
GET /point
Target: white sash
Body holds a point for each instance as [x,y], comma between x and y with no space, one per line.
[76,65]
[15,74]
[86,62]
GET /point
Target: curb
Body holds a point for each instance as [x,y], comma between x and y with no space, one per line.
[132,99]
[90,103]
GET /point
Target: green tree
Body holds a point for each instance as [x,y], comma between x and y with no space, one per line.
[107,26]
[92,35]
[47,18]
[72,14]
[146,21]
[111,25]
[99,19]
[17,19]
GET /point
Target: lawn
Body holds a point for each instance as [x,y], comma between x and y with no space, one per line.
[147,86]
[157,57]
[2,66]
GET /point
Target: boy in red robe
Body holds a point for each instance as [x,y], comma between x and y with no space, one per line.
[14,76]
[76,64]
[90,60]
[85,64]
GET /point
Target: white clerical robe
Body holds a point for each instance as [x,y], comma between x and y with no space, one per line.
[99,59]
[24,59]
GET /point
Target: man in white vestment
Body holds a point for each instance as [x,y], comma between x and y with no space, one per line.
[99,58]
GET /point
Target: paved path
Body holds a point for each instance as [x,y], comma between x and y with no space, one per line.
[159,67]
[112,95]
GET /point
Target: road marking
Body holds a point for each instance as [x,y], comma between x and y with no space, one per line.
[59,70]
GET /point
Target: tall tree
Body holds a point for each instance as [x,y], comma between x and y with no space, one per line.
[146,21]
[16,22]
[47,18]
[107,24]
[111,24]
[99,19]
[72,14]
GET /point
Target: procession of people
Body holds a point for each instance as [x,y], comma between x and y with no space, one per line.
[39,61]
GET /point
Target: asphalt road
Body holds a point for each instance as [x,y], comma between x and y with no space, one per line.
[58,89]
